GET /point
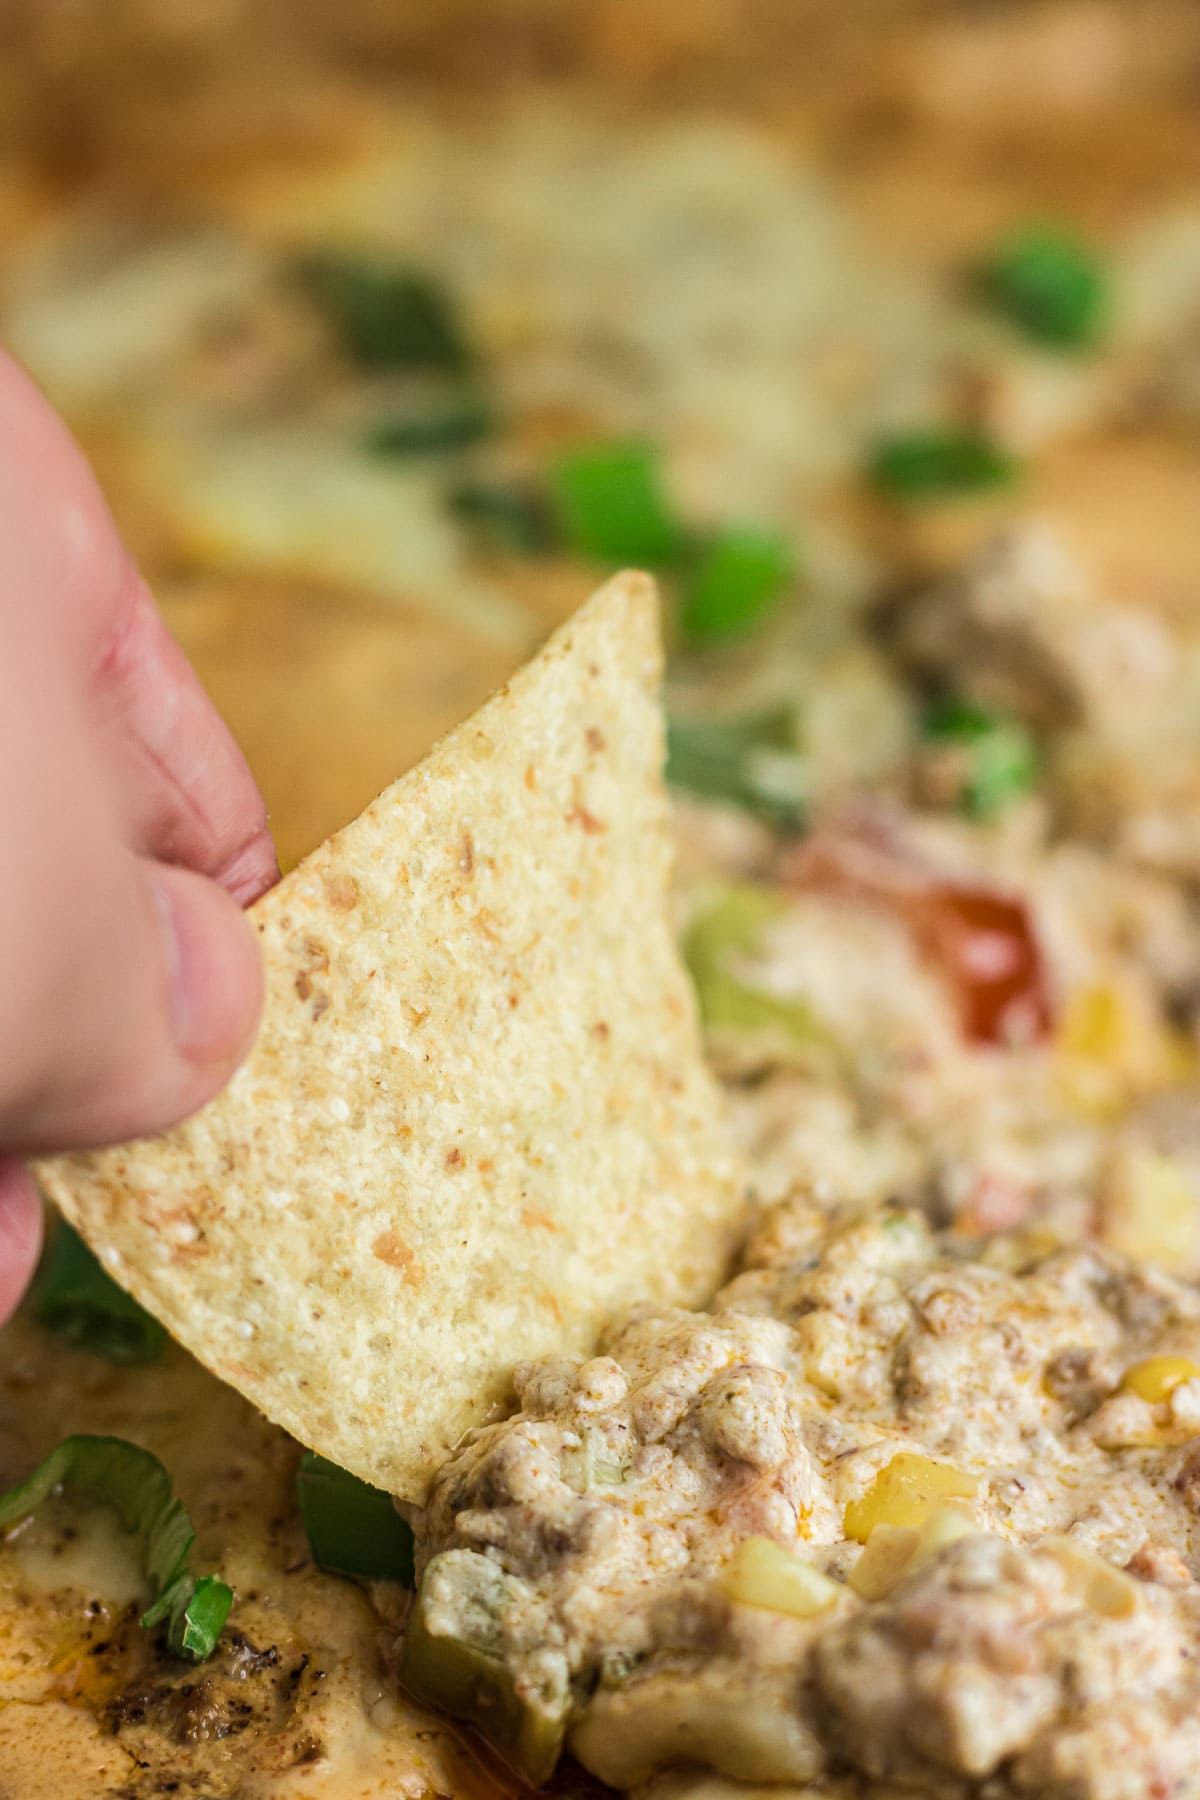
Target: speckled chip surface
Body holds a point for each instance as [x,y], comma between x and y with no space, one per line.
[476,1122]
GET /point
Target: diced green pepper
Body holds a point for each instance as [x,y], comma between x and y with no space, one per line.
[467,1676]
[611,504]
[110,1472]
[1048,284]
[1000,757]
[195,1609]
[737,578]
[732,927]
[934,465]
[752,763]
[451,424]
[511,515]
[588,1465]
[387,314]
[352,1527]
[74,1297]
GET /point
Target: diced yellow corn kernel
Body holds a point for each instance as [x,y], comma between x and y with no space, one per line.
[1094,1024]
[893,1551]
[1103,1588]
[903,1492]
[1156,1379]
[1151,1210]
[883,1560]
[944,1525]
[760,1573]
[1014,1250]
[1111,1043]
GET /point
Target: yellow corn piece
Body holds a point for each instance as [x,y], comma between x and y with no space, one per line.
[903,1492]
[1012,1250]
[760,1573]
[1094,1025]
[885,1558]
[945,1525]
[893,1551]
[1151,1210]
[1156,1379]
[1103,1588]
[1111,1044]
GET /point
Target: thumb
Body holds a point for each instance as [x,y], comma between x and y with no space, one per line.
[140,1013]
[129,989]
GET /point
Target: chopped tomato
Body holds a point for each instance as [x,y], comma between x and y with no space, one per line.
[984,943]
[980,940]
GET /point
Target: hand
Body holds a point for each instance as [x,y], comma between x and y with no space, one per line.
[132,833]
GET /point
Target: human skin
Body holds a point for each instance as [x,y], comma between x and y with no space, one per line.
[133,833]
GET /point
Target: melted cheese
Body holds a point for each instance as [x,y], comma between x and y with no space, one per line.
[70,1649]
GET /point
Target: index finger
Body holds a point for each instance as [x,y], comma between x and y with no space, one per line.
[187,792]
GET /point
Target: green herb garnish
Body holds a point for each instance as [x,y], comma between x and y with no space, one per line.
[1048,284]
[449,425]
[736,579]
[610,502]
[752,763]
[731,928]
[934,465]
[352,1527]
[107,1471]
[463,1664]
[75,1298]
[509,515]
[999,755]
[389,315]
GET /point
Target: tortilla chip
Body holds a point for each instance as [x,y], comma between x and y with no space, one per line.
[476,1121]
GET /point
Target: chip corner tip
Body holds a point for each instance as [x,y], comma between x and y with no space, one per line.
[637,589]
[628,611]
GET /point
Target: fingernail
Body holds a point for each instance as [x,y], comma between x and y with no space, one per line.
[211,967]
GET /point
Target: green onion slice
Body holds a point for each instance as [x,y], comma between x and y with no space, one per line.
[75,1298]
[1000,757]
[467,1672]
[737,578]
[352,1527]
[752,763]
[510,515]
[111,1472]
[611,505]
[1050,285]
[389,315]
[449,425]
[728,930]
[934,465]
